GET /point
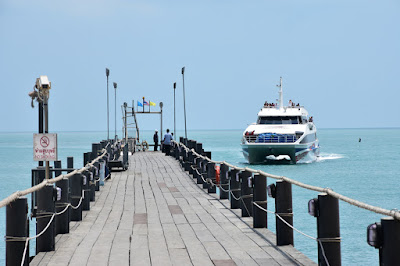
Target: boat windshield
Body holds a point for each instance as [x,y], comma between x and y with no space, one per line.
[278,120]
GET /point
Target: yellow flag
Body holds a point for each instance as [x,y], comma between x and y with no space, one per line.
[152,104]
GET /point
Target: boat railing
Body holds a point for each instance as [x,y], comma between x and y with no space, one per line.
[271,138]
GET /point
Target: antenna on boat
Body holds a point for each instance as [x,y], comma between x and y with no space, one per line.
[280,102]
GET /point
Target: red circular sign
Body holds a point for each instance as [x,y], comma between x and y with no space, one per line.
[44,141]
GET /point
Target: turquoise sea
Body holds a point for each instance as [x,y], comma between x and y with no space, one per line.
[368,171]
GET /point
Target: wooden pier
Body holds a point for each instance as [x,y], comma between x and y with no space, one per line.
[155,214]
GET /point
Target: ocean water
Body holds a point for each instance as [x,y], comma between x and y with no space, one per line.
[367,171]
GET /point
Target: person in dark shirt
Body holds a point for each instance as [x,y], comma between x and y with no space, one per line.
[155,139]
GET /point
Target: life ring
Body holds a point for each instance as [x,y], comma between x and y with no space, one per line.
[217,174]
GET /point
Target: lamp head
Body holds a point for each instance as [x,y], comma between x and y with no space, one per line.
[107,72]
[115,85]
[174,85]
[183,70]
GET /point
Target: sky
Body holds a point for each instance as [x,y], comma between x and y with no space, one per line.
[340,59]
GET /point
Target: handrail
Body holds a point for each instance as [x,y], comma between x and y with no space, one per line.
[14,196]
[393,213]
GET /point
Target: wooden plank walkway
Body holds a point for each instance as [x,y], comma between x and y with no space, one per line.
[155,214]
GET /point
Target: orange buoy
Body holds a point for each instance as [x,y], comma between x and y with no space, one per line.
[217,171]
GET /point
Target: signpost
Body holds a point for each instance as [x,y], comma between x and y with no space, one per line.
[45,147]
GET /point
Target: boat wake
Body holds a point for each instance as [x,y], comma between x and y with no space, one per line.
[332,156]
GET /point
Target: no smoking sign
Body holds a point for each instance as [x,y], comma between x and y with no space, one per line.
[45,147]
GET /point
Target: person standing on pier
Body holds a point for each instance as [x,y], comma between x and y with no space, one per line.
[167,142]
[155,139]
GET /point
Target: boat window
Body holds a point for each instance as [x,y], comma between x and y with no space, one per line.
[278,120]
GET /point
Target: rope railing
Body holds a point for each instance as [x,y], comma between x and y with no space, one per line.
[393,213]
[14,196]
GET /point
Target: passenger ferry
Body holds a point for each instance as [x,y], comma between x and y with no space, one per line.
[281,133]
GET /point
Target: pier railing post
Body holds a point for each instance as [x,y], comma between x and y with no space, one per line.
[259,197]
[16,226]
[62,220]
[326,209]
[46,208]
[70,163]
[224,191]
[385,236]
[234,187]
[246,192]
[199,168]
[96,172]
[199,148]
[204,174]
[391,241]
[212,187]
[86,184]
[76,182]
[284,208]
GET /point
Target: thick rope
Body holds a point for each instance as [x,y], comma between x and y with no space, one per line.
[393,213]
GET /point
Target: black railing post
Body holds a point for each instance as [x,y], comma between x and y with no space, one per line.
[224,182]
[234,187]
[16,226]
[204,174]
[62,220]
[212,187]
[328,230]
[284,208]
[199,169]
[70,163]
[75,186]
[46,208]
[246,192]
[390,254]
[260,198]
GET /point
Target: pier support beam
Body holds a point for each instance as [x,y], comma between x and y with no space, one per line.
[16,226]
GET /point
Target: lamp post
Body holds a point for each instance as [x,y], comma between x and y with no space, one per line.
[108,111]
[184,101]
[174,113]
[115,111]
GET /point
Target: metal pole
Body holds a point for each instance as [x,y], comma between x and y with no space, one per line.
[174,113]
[115,109]
[46,130]
[184,99]
[40,124]
[108,111]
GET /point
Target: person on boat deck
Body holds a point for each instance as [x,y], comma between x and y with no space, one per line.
[311,119]
[155,139]
[290,103]
[167,142]
[266,104]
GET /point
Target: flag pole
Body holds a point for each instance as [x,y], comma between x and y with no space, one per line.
[143,104]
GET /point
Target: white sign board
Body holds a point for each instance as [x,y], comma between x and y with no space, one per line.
[45,147]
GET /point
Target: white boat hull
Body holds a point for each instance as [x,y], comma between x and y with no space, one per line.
[258,152]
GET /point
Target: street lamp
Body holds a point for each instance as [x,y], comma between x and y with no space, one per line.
[184,101]
[108,111]
[115,111]
[174,113]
